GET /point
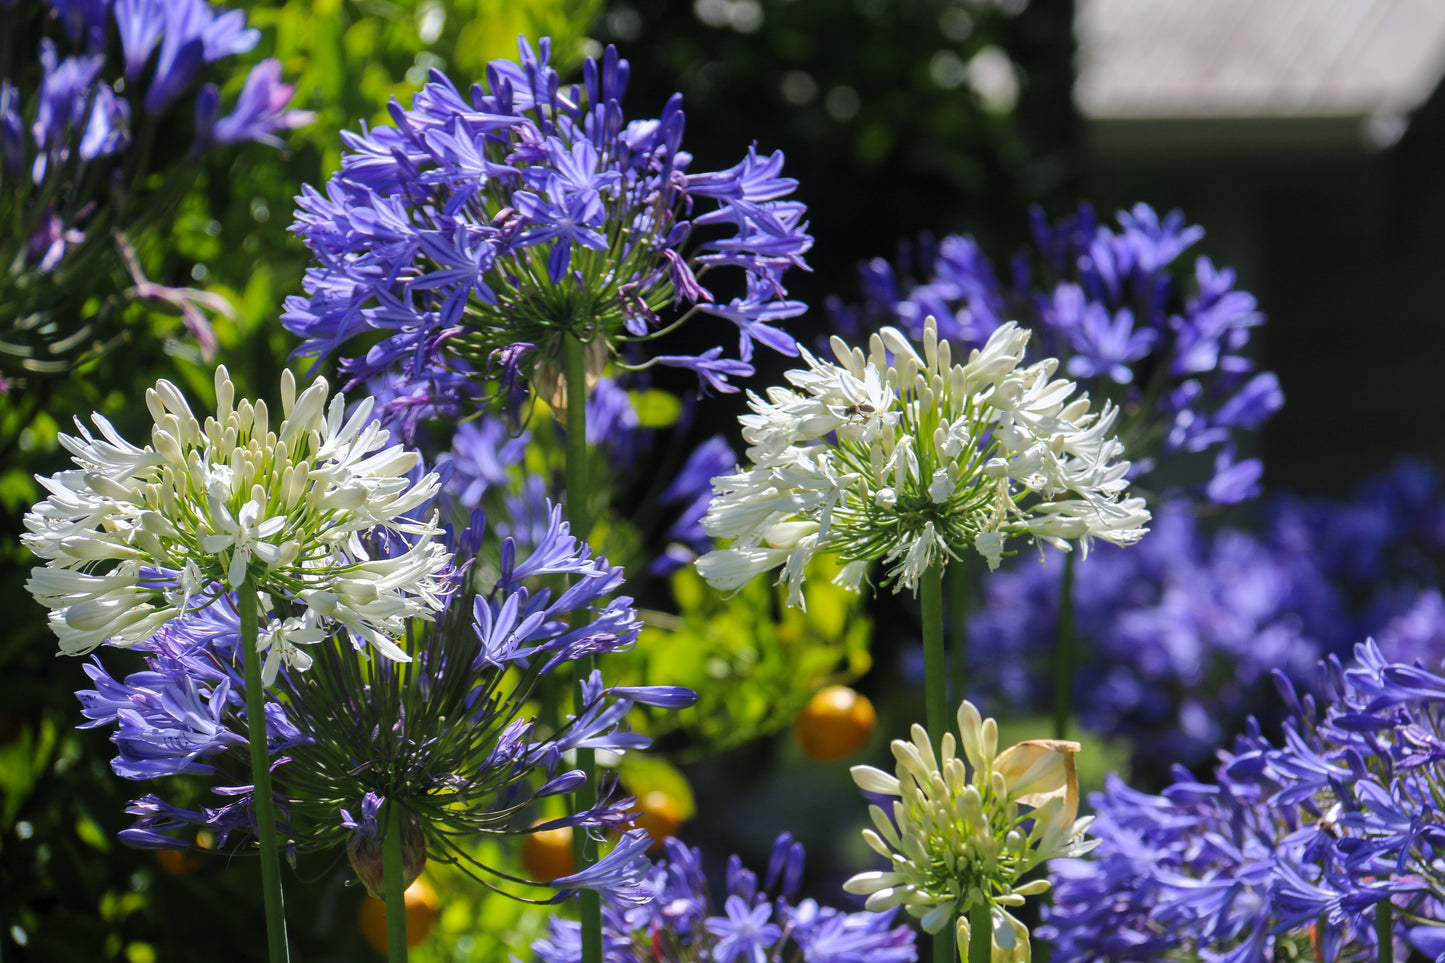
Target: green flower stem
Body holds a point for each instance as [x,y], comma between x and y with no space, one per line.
[960,599]
[935,674]
[393,884]
[1384,932]
[578,486]
[263,802]
[980,938]
[935,695]
[1064,652]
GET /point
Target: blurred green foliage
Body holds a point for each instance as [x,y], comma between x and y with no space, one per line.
[753,661]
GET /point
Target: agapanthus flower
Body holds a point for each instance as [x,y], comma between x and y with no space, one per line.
[963,837]
[482,228]
[681,922]
[1109,304]
[135,537]
[1295,844]
[450,735]
[916,462]
[1178,636]
[92,149]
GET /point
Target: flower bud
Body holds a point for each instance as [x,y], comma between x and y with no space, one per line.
[365,857]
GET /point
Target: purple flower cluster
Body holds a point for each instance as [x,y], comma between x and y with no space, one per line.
[681,923]
[1108,304]
[1296,843]
[1177,635]
[473,234]
[450,734]
[72,124]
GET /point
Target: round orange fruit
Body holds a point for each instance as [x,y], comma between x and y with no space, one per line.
[835,723]
[422,907]
[547,854]
[660,815]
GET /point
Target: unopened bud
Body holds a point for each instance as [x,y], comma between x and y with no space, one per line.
[366,857]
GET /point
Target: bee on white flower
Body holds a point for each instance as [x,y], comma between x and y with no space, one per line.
[902,456]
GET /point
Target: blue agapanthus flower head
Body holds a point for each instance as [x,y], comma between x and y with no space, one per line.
[682,922]
[1292,846]
[481,226]
[450,735]
[104,107]
[1114,304]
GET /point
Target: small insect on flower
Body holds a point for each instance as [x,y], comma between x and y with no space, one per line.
[134,537]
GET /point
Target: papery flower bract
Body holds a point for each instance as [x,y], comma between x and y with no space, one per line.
[486,227]
[134,537]
[915,462]
[956,837]
[450,735]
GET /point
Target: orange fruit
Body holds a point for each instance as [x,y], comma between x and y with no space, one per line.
[422,907]
[184,862]
[660,815]
[836,722]
[547,854]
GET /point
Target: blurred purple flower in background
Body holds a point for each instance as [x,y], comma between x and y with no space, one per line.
[1110,305]
[1181,633]
[96,129]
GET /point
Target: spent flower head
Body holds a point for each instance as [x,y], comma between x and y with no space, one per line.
[482,228]
[916,460]
[960,837]
[134,537]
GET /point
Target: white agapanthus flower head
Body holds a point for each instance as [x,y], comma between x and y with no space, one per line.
[133,537]
[915,461]
[959,837]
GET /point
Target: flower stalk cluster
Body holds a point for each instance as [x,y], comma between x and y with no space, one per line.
[448,739]
[960,838]
[907,458]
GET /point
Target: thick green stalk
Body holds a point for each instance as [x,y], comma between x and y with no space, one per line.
[935,672]
[394,885]
[980,939]
[1384,932]
[1064,652]
[263,805]
[574,369]
[935,696]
